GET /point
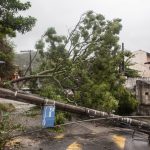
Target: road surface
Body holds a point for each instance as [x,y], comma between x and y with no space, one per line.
[83,136]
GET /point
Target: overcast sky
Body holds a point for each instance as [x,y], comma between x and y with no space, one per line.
[64,14]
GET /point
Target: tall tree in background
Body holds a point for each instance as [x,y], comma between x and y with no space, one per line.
[10,23]
[85,65]
[128,71]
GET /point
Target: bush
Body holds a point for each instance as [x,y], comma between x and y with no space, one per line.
[127,102]
[7,107]
[6,129]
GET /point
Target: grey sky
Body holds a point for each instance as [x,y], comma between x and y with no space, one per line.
[64,14]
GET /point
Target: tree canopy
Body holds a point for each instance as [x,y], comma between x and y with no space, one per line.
[10,23]
[85,65]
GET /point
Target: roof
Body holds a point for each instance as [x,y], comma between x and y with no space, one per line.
[143,81]
[141,51]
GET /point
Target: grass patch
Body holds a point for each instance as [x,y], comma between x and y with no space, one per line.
[56,129]
[7,107]
[33,112]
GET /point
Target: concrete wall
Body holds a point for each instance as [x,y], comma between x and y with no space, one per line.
[131,82]
[143,92]
[141,88]
[143,110]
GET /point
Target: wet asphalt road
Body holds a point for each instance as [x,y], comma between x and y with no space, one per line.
[83,137]
[103,139]
[136,144]
[99,142]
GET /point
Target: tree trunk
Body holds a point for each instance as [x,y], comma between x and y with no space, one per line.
[32,99]
[30,77]
[1,116]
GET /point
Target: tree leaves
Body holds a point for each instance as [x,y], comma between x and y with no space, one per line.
[87,62]
[10,21]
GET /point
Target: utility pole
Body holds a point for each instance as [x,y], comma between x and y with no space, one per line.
[32,99]
[123,65]
[1,62]
[30,59]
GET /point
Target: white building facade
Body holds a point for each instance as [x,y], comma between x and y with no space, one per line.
[141,61]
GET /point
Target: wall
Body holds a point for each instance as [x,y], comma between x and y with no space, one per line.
[143,110]
[130,83]
[143,92]
[139,60]
[141,88]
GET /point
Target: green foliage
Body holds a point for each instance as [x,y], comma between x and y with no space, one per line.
[6,130]
[60,118]
[6,55]
[85,65]
[128,71]
[127,103]
[131,73]
[7,107]
[51,92]
[33,111]
[10,23]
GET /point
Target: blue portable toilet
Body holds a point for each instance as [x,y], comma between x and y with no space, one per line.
[48,117]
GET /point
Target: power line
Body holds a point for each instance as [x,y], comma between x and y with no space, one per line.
[30,61]
[78,122]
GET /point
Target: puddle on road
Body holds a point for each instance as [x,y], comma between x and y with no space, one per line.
[119,140]
[60,136]
[74,146]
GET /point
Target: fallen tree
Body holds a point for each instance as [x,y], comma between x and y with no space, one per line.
[32,99]
[30,77]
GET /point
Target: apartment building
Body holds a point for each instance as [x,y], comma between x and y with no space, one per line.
[141,61]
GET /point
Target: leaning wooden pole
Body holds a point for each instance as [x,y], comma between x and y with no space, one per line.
[30,77]
[5,93]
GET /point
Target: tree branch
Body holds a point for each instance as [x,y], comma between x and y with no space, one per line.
[30,77]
